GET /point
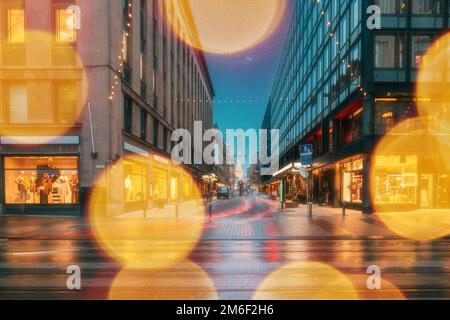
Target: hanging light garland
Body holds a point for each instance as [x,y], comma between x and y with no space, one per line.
[118,73]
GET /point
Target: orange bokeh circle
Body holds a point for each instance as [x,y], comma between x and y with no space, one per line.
[183,281]
[152,240]
[433,81]
[44,87]
[224,27]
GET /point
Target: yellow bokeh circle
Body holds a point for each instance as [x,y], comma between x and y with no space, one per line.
[224,27]
[143,234]
[44,86]
[184,281]
[306,281]
[411,151]
[433,82]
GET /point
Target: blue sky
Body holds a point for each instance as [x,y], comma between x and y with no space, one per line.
[243,82]
[247,75]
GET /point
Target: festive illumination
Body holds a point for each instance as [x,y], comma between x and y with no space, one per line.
[306,281]
[433,82]
[409,180]
[139,236]
[184,281]
[224,26]
[47,94]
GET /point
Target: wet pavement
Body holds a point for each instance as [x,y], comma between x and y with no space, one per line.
[242,251]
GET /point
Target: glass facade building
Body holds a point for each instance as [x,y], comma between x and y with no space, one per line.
[341,85]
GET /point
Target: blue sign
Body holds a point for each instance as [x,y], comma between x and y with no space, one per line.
[306,154]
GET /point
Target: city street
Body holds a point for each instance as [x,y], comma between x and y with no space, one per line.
[243,244]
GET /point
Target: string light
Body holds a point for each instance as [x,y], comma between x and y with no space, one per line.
[118,73]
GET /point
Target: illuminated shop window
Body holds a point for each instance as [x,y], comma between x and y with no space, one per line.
[160,184]
[395,179]
[135,185]
[16,25]
[41,180]
[353,181]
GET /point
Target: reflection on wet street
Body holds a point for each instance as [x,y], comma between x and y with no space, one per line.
[247,250]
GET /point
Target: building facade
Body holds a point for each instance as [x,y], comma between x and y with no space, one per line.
[341,86]
[92,87]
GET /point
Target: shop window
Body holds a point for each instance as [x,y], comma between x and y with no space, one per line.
[389,114]
[353,181]
[135,174]
[395,179]
[41,180]
[160,182]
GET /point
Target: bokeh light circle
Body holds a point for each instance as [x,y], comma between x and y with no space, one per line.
[433,82]
[306,281]
[184,281]
[415,145]
[387,290]
[224,26]
[153,242]
[44,90]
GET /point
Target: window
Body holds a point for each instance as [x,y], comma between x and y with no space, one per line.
[41,180]
[387,6]
[420,46]
[143,124]
[356,14]
[389,51]
[395,179]
[426,7]
[127,114]
[16,25]
[155,132]
[66,102]
[65,23]
[18,103]
[353,181]
[135,184]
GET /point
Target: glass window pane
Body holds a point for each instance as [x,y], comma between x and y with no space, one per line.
[41,180]
[65,25]
[16,25]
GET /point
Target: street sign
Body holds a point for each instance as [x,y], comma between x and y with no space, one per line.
[306,155]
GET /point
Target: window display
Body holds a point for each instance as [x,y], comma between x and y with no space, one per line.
[396,179]
[41,180]
[160,184]
[135,184]
[353,181]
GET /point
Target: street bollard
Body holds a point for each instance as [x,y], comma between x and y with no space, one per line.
[177,210]
[210,207]
[310,210]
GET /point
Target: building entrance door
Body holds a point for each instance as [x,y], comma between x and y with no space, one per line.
[426,190]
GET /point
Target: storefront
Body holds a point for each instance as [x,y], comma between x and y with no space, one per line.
[33,183]
[40,175]
[352,181]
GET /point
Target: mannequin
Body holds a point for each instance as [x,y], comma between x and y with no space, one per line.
[63,182]
[128,188]
[33,187]
[74,189]
[22,192]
